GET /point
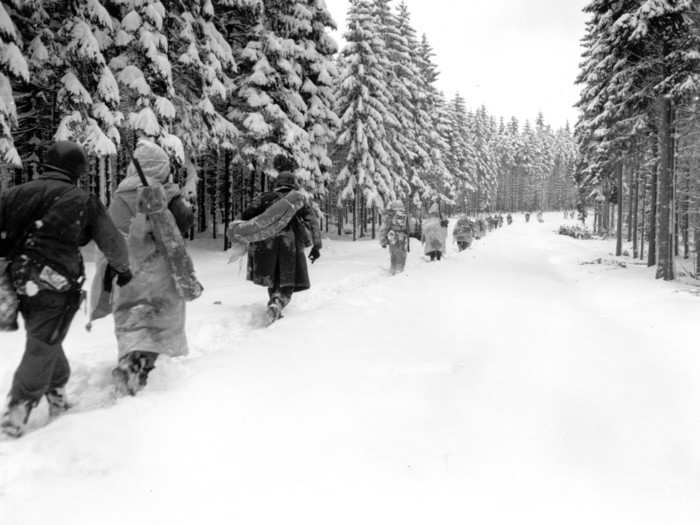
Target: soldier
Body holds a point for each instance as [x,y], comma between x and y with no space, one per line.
[43,224]
[463,233]
[434,234]
[279,263]
[394,234]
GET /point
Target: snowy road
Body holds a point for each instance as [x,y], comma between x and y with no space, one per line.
[507,384]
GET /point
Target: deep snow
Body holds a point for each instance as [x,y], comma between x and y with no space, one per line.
[506,384]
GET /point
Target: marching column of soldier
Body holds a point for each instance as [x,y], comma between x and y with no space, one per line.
[144,274]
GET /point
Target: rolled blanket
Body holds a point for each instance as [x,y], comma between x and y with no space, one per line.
[268,224]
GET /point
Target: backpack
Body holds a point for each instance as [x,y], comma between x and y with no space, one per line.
[397,221]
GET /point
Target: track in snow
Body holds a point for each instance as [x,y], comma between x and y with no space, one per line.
[506,384]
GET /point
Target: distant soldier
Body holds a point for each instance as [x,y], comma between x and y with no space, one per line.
[463,233]
[509,219]
[527,216]
[394,234]
[500,220]
[434,234]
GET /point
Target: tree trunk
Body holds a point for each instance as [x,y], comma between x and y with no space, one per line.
[630,210]
[653,194]
[618,247]
[354,217]
[665,205]
[634,190]
[642,230]
[227,197]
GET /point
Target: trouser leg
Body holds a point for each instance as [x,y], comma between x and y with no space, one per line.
[285,295]
[47,318]
[398,258]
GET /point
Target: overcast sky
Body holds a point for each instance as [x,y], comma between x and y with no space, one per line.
[517,57]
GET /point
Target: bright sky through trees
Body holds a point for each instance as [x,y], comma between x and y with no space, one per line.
[516,57]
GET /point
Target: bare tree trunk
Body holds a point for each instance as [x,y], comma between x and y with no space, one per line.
[653,194]
[634,189]
[354,217]
[686,216]
[618,247]
[642,230]
[665,232]
[632,170]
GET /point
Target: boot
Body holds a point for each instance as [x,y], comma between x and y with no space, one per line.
[58,403]
[14,419]
[274,309]
[131,373]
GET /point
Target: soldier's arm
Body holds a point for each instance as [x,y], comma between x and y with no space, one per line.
[309,217]
[109,240]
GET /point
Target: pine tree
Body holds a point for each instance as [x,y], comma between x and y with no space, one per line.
[143,69]
[13,66]
[362,100]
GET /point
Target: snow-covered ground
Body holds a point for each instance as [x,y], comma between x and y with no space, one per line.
[506,384]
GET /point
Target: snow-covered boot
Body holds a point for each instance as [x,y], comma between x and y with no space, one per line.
[58,402]
[131,373]
[126,376]
[274,310]
[14,419]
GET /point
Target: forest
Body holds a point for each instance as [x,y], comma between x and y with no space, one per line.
[637,136]
[225,85]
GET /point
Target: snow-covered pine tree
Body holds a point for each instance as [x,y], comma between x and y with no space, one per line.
[411,76]
[399,125]
[143,69]
[362,97]
[439,179]
[671,72]
[319,75]
[72,93]
[483,130]
[13,66]
[267,104]
[445,185]
[202,69]
[465,157]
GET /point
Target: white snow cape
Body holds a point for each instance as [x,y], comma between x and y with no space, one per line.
[268,224]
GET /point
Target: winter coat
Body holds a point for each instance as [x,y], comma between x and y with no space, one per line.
[434,235]
[282,255]
[50,218]
[149,313]
[394,228]
[463,230]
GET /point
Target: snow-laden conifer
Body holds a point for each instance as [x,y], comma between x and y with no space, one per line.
[13,66]
[362,98]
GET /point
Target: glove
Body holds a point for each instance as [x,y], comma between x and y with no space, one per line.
[124,278]
[314,254]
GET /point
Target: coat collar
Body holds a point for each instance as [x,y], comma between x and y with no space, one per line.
[56,175]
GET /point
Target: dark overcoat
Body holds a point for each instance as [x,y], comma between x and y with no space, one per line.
[280,260]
